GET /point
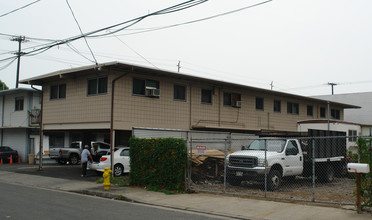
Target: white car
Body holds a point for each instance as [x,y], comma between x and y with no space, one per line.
[121,162]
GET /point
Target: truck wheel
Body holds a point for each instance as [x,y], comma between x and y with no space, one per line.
[274,180]
[327,175]
[74,159]
[118,170]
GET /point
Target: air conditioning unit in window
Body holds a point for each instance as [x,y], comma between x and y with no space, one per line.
[237,104]
[152,92]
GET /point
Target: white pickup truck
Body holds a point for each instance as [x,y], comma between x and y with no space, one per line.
[72,154]
[282,158]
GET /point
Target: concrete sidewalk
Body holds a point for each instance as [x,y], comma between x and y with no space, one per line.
[221,205]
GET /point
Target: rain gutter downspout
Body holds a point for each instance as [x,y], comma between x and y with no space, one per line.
[112,120]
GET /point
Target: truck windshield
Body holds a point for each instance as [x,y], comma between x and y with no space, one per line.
[271,145]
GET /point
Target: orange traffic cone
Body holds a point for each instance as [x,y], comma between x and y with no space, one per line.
[19,159]
[11,160]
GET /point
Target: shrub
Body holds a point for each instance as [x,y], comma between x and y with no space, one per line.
[158,162]
[364,155]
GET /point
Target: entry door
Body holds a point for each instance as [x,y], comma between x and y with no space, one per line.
[293,159]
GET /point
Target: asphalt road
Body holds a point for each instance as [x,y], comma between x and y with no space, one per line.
[22,202]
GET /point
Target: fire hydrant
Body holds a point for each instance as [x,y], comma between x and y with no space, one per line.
[106,178]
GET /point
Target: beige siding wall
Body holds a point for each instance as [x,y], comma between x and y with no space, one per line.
[77,107]
[141,111]
[165,112]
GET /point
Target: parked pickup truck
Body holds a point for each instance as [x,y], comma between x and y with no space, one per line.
[72,154]
[283,158]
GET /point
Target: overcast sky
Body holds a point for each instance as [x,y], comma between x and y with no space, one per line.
[297,45]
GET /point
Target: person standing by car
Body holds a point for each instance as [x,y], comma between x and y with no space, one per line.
[85,156]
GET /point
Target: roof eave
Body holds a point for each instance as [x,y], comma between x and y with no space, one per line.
[39,80]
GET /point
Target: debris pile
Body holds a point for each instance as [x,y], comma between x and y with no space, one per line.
[209,165]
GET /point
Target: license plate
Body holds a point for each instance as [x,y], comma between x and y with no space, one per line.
[239,173]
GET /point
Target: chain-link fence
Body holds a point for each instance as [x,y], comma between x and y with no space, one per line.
[298,168]
[304,169]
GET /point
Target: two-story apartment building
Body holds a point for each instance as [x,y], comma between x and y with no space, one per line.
[19,129]
[92,102]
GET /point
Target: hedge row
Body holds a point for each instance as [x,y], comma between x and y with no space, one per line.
[364,155]
[158,162]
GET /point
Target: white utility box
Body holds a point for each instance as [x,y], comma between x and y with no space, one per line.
[358,168]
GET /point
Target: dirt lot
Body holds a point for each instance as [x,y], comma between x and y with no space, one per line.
[339,191]
[208,171]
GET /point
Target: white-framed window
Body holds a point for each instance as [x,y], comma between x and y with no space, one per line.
[353,135]
[97,86]
[58,91]
[293,108]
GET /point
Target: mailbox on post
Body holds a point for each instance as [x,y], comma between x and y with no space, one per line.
[358,167]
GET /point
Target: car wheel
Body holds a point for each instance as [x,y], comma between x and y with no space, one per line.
[74,159]
[118,170]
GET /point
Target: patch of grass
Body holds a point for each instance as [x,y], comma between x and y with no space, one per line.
[99,180]
[120,181]
[165,191]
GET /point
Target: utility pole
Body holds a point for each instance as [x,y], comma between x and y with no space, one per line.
[272,85]
[332,84]
[20,39]
[179,66]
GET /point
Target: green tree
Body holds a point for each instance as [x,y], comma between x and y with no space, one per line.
[3,86]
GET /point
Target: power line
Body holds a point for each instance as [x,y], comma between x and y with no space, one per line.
[197,20]
[171,9]
[129,23]
[19,8]
[85,39]
[135,51]
[7,65]
[78,52]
